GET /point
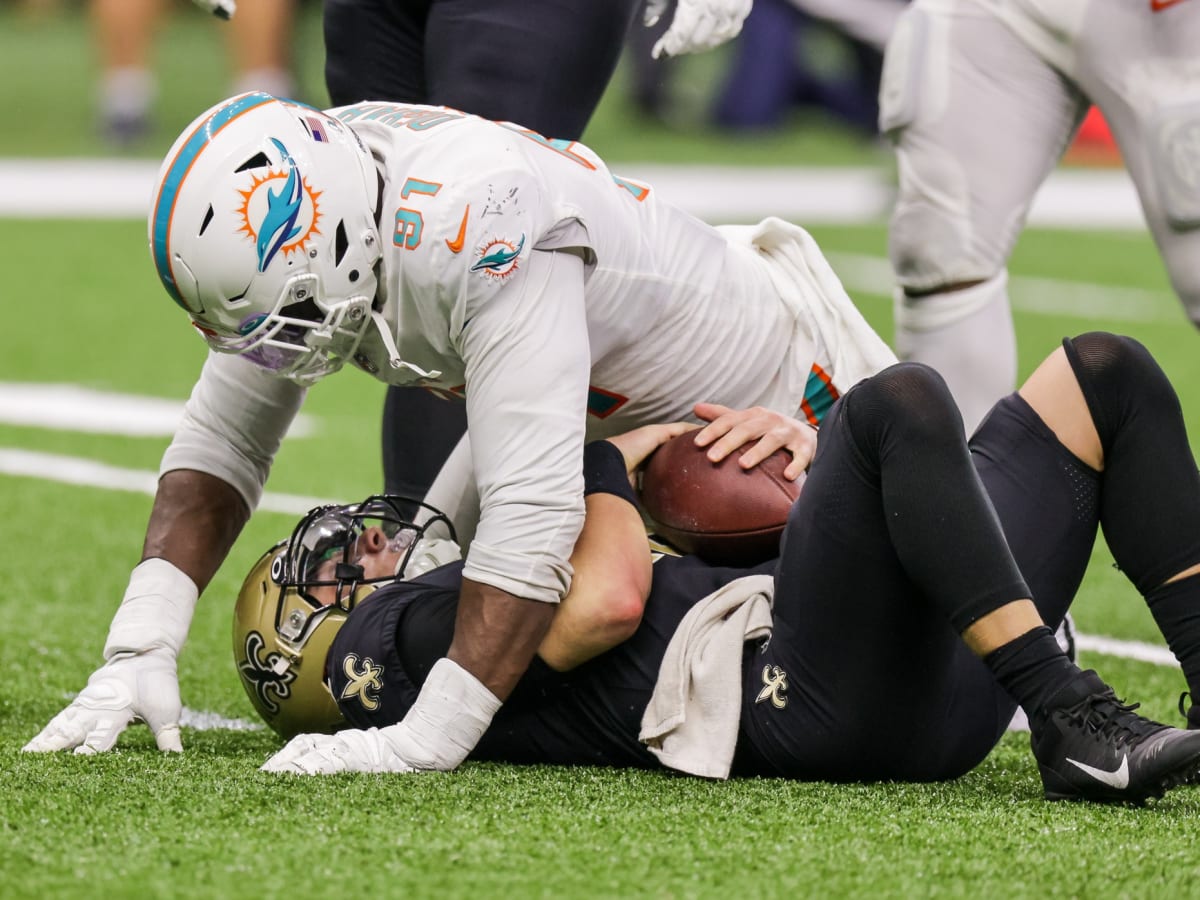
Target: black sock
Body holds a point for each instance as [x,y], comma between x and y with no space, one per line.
[1176,609]
[1031,668]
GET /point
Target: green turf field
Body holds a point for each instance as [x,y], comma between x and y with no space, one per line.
[84,308]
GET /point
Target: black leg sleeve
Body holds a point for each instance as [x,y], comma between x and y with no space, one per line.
[942,524]
[420,429]
[1150,489]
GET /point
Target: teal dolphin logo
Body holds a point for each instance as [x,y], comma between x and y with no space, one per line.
[283,208]
[498,256]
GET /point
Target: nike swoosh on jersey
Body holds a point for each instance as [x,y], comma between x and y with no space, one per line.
[1160,5]
[1118,778]
[456,245]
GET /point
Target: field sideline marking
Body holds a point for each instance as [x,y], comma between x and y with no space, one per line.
[1092,199]
[88,473]
[69,407]
[201,720]
[1040,296]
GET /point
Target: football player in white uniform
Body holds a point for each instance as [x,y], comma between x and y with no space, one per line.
[980,98]
[429,247]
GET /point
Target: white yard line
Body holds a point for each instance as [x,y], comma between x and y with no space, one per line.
[201,720]
[1078,198]
[1099,199]
[68,407]
[89,473]
[1039,296]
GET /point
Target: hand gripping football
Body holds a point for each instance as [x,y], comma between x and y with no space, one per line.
[721,512]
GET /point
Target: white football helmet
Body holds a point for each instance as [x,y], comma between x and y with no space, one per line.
[262,227]
[298,594]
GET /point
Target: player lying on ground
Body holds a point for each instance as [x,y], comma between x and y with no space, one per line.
[911,597]
[509,272]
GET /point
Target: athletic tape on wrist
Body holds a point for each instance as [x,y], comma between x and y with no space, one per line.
[156,610]
[604,471]
[450,715]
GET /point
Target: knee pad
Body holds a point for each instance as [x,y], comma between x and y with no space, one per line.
[932,241]
[928,244]
[1173,141]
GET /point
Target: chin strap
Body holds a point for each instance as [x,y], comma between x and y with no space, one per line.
[389,344]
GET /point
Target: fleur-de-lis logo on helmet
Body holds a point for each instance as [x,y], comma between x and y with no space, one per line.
[271,681]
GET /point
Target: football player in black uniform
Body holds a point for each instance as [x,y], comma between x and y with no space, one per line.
[915,595]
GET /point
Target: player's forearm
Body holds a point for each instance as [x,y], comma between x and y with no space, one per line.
[496,634]
[610,586]
[195,520]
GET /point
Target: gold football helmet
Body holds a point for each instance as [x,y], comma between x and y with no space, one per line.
[298,595]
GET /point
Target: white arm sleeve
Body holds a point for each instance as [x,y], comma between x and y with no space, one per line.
[527,367]
[233,424]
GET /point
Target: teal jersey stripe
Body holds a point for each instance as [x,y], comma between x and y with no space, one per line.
[819,396]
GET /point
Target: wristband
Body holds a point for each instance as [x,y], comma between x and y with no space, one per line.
[156,610]
[604,471]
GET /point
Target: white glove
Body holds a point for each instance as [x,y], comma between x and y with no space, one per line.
[445,723]
[222,9]
[145,686]
[697,24]
[351,750]
[138,679]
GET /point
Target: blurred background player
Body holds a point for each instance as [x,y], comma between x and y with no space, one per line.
[981,98]
[777,65]
[259,43]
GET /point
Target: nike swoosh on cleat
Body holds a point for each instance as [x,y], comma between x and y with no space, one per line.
[1118,778]
[456,245]
[1160,5]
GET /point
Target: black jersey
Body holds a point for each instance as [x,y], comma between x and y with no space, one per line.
[590,715]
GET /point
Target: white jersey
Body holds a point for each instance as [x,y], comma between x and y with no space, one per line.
[562,303]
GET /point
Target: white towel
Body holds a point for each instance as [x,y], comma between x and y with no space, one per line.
[808,285]
[691,722]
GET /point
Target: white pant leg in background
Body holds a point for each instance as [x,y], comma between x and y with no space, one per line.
[978,121]
[1142,68]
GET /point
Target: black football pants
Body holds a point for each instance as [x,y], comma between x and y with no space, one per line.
[879,685]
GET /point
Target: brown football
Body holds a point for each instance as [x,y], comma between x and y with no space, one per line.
[721,512]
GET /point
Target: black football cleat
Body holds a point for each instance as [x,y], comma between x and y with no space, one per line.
[1091,746]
